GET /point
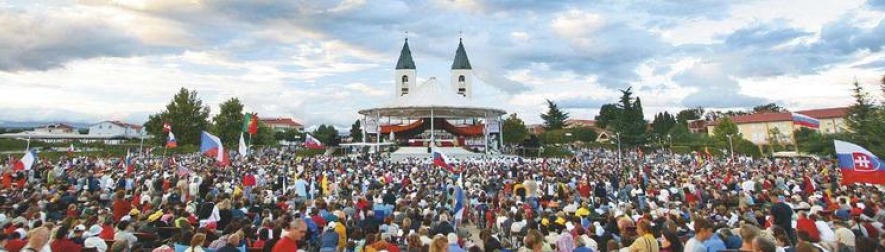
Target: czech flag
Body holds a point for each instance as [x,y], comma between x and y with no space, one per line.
[170,141]
[210,145]
[805,121]
[858,165]
[26,162]
[312,143]
[439,159]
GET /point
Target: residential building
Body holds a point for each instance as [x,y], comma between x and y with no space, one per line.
[116,128]
[281,124]
[55,128]
[758,128]
[571,123]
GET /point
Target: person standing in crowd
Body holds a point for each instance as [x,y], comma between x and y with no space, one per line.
[703,230]
[646,241]
[296,231]
[783,216]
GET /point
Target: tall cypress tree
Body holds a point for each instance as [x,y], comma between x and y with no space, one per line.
[631,123]
[554,118]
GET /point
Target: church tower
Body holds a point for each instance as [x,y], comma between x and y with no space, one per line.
[405,72]
[461,72]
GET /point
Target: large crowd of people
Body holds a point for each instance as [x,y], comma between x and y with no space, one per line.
[598,200]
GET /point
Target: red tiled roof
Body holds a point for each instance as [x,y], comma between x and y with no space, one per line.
[756,118]
[581,122]
[281,121]
[826,113]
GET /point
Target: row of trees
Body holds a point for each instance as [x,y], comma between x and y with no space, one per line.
[188,116]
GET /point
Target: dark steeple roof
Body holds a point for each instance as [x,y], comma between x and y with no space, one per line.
[461,61]
[405,58]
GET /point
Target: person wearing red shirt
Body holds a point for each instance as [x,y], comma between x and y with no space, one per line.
[584,190]
[62,243]
[289,243]
[15,243]
[107,230]
[121,207]
[803,223]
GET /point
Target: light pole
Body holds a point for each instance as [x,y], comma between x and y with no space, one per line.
[618,136]
[670,139]
[731,146]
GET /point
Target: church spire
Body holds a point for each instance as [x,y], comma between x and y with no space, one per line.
[405,58]
[461,61]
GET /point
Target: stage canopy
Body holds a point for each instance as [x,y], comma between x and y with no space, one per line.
[433,99]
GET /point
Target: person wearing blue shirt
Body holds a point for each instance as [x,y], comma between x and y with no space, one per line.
[715,243]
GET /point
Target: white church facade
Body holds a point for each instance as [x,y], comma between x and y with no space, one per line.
[406,72]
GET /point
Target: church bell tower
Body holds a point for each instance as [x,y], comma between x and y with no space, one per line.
[405,72]
[462,72]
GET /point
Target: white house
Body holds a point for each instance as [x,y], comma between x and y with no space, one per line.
[116,128]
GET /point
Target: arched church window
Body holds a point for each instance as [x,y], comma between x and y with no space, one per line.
[405,78]
[461,78]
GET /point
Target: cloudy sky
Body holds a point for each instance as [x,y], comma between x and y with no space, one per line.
[321,61]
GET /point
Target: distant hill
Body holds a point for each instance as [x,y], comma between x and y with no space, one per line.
[32,124]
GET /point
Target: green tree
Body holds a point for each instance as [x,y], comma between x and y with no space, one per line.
[187,115]
[514,129]
[866,122]
[356,132]
[810,141]
[662,123]
[265,136]
[725,128]
[286,135]
[554,118]
[228,123]
[630,122]
[608,113]
[686,115]
[325,133]
[769,108]
[582,133]
[679,133]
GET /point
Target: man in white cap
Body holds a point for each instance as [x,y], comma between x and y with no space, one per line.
[92,239]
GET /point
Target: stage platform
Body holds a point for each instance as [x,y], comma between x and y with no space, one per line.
[404,153]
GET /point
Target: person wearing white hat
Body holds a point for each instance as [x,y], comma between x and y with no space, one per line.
[92,239]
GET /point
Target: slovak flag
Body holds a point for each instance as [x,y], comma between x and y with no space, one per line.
[439,159]
[210,145]
[312,143]
[167,127]
[806,121]
[858,165]
[170,141]
[26,162]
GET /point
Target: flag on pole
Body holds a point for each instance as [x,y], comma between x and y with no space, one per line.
[250,123]
[127,161]
[167,127]
[439,159]
[458,203]
[170,141]
[211,146]
[26,162]
[858,165]
[805,121]
[312,143]
[243,148]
